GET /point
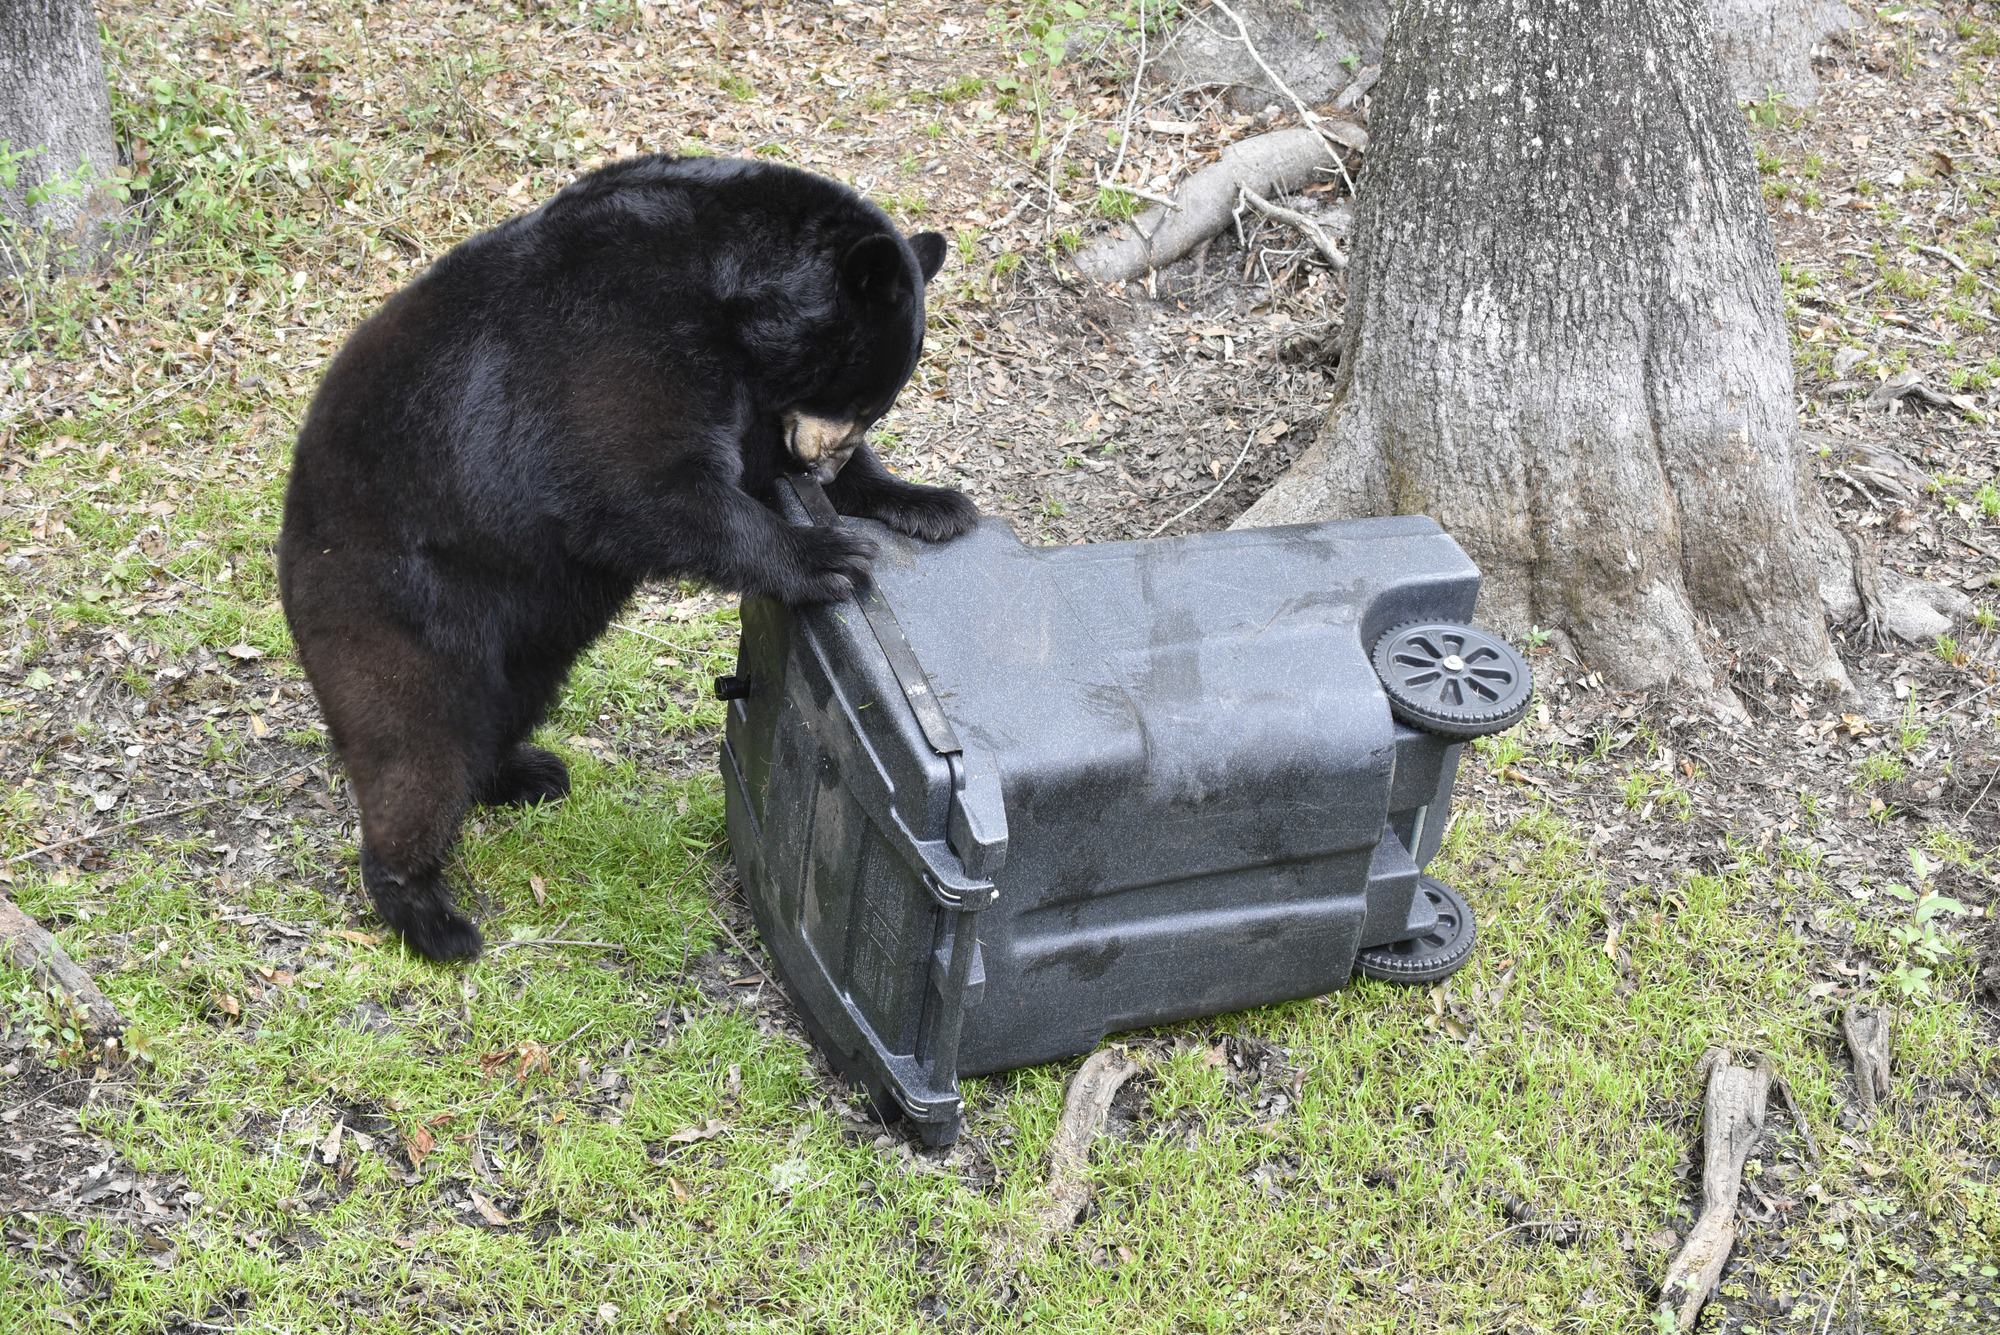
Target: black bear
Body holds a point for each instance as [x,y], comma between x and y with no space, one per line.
[603,391]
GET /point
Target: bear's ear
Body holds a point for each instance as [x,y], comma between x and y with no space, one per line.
[873,269]
[930,253]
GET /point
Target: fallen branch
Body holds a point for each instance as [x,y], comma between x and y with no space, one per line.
[33,949]
[1312,230]
[1084,1112]
[1866,1029]
[1732,1118]
[1283,161]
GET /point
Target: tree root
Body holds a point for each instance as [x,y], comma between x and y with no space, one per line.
[1281,161]
[1867,1031]
[33,949]
[1732,1118]
[1084,1114]
[1873,633]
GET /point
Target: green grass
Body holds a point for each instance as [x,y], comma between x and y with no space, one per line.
[1355,1186]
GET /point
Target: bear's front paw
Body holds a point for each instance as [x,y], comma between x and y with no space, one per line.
[833,564]
[931,513]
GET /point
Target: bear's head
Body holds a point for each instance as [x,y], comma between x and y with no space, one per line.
[880,305]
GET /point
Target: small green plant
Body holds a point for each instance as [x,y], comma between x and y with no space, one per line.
[1911,733]
[1946,647]
[1984,618]
[1879,767]
[56,1023]
[1537,637]
[1501,752]
[1924,944]
[1904,282]
[1639,787]
[1814,164]
[1117,204]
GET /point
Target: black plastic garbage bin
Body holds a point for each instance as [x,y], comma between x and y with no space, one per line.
[1017,798]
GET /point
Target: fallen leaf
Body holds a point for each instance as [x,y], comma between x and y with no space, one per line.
[680,1192]
[539,886]
[230,1006]
[358,938]
[418,1144]
[329,1151]
[487,1210]
[244,652]
[694,1133]
[258,728]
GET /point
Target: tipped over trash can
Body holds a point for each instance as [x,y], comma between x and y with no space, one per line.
[1017,798]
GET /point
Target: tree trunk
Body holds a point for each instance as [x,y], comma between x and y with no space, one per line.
[53,97]
[1565,338]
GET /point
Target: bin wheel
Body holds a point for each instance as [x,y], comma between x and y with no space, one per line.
[1453,680]
[1434,956]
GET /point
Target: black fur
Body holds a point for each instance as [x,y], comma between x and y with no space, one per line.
[601,392]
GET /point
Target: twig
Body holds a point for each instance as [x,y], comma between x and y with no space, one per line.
[1055,165]
[1306,113]
[551,941]
[1132,105]
[1167,200]
[733,939]
[149,816]
[1798,1118]
[1240,457]
[1313,231]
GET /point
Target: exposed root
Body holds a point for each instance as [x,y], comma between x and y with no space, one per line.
[33,949]
[1282,161]
[1731,1121]
[1084,1113]
[1867,1031]
[1873,630]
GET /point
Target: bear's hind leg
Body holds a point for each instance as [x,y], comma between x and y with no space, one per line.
[526,776]
[403,717]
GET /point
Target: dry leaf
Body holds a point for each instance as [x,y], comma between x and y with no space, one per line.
[487,1210]
[680,1192]
[694,1133]
[258,728]
[358,938]
[418,1144]
[230,1006]
[539,886]
[244,652]
[329,1152]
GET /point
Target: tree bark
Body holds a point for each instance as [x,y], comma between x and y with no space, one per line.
[53,96]
[1565,338]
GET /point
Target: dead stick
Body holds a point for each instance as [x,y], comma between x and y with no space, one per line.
[1084,1112]
[1312,230]
[1732,1119]
[36,951]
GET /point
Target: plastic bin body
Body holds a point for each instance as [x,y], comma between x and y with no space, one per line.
[1177,790]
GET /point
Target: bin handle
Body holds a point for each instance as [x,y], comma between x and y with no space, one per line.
[888,631]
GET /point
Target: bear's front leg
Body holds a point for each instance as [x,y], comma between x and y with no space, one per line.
[867,490]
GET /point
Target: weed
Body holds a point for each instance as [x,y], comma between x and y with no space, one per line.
[1878,767]
[1946,648]
[1904,282]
